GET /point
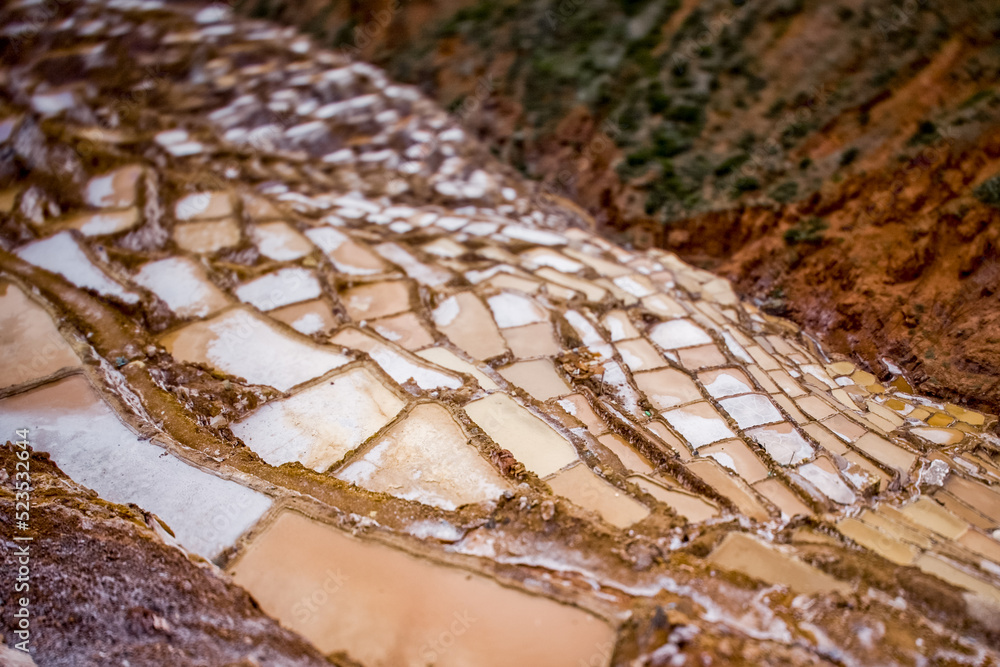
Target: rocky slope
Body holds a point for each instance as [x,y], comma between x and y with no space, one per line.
[733,131]
[290,309]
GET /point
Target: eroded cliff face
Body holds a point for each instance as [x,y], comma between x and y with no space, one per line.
[724,127]
[290,309]
[894,264]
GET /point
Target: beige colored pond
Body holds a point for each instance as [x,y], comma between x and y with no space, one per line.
[426,457]
[742,553]
[31,346]
[465,320]
[691,507]
[581,486]
[301,427]
[529,439]
[207,236]
[387,608]
[280,241]
[538,377]
[366,302]
[533,340]
[242,343]
[183,285]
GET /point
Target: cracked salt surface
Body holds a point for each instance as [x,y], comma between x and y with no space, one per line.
[302,428]
[87,441]
[62,254]
[427,458]
[243,343]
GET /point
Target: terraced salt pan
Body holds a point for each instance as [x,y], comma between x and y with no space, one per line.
[578,406]
[515,310]
[319,425]
[631,459]
[85,438]
[373,300]
[735,455]
[309,317]
[699,424]
[691,507]
[532,340]
[746,554]
[243,343]
[397,363]
[751,410]
[636,285]
[539,257]
[183,285]
[827,482]
[346,254]
[725,382]
[701,356]
[528,438]
[62,254]
[444,247]
[590,291]
[208,236]
[588,334]
[406,330]
[602,266]
[31,346]
[464,319]
[447,359]
[782,443]
[104,222]
[667,388]
[116,189]
[619,326]
[615,382]
[816,407]
[886,452]
[280,288]
[507,281]
[664,306]
[385,607]
[677,334]
[538,377]
[582,487]
[280,241]
[787,502]
[639,355]
[729,486]
[204,206]
[432,276]
[427,458]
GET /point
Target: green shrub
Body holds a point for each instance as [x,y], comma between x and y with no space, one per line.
[730,164]
[785,192]
[685,113]
[926,133]
[667,142]
[988,192]
[657,99]
[807,230]
[746,184]
[849,156]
